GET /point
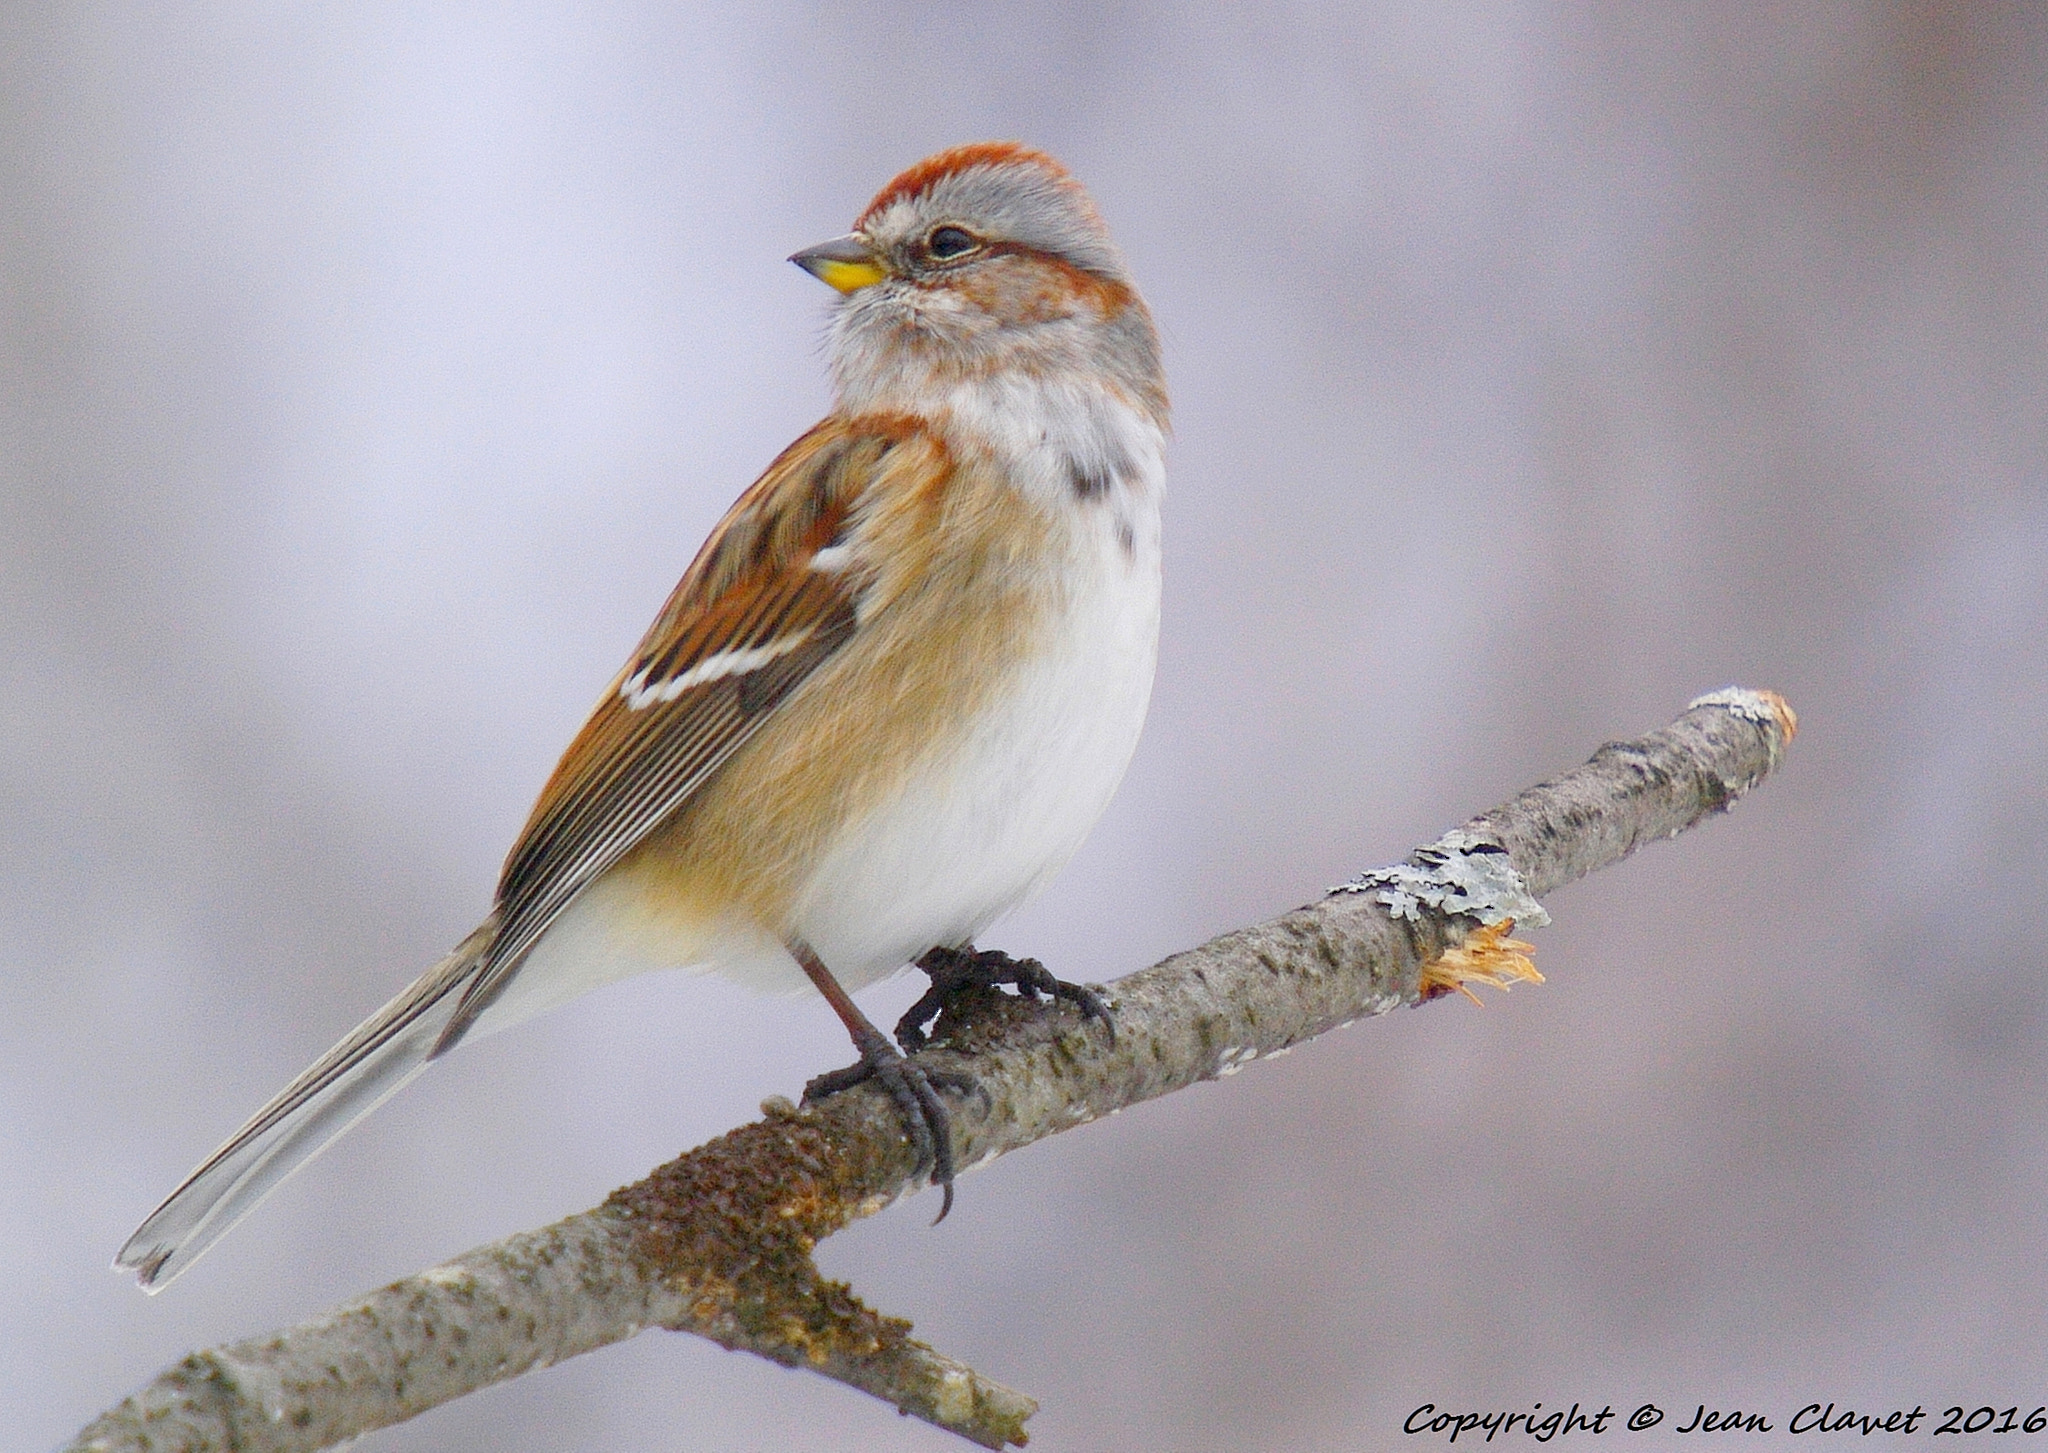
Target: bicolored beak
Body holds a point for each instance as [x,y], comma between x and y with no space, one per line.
[845,263]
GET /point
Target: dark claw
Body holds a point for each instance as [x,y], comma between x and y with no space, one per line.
[960,1084]
[915,1091]
[833,1081]
[956,971]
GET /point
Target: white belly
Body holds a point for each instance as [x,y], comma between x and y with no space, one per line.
[986,830]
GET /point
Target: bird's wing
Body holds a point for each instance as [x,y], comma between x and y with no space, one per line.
[763,604]
[768,599]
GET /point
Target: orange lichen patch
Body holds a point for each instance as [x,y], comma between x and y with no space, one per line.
[733,1223]
[731,1226]
[915,179]
[1788,719]
[1487,956]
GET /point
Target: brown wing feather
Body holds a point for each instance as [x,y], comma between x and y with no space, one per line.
[753,618]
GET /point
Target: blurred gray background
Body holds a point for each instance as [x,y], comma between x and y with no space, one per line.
[368,373]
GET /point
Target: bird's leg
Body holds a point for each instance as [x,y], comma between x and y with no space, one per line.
[914,1088]
[962,971]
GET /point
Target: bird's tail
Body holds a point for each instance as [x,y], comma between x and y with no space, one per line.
[378,1058]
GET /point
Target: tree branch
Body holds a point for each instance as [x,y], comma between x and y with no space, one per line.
[719,1241]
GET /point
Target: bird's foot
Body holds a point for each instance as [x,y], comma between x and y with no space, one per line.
[915,1091]
[958,972]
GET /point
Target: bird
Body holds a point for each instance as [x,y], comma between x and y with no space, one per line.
[885,704]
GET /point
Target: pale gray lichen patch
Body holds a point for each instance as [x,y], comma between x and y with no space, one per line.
[1463,872]
[1234,1058]
[1745,703]
[1766,709]
[955,1396]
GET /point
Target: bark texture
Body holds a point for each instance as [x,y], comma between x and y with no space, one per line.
[719,1241]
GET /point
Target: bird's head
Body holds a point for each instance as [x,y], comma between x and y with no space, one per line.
[977,262]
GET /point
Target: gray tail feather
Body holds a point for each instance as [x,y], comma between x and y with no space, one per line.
[377,1059]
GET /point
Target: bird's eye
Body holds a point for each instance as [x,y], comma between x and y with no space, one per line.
[947,243]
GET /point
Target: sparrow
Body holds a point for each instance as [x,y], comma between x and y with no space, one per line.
[886,703]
